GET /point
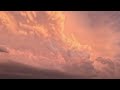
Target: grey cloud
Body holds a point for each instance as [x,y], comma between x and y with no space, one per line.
[105,67]
[12,70]
[3,49]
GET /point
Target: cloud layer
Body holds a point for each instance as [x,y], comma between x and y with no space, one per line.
[56,40]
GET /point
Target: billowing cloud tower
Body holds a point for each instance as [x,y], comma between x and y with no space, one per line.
[40,39]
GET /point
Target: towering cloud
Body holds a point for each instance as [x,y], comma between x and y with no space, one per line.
[73,42]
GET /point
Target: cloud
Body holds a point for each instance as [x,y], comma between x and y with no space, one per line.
[72,42]
[4,49]
[104,67]
[13,70]
[96,29]
[100,31]
[43,43]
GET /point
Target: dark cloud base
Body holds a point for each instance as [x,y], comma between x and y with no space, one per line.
[13,70]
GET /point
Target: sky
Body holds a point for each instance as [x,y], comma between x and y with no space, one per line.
[82,43]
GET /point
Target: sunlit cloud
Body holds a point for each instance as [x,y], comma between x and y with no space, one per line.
[71,42]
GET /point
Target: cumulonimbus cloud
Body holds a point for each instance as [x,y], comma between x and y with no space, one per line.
[41,39]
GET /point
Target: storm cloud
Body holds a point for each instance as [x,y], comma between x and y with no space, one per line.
[82,43]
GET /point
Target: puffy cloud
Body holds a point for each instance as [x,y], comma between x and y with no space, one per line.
[79,63]
[100,31]
[40,41]
[52,40]
[104,67]
[97,29]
